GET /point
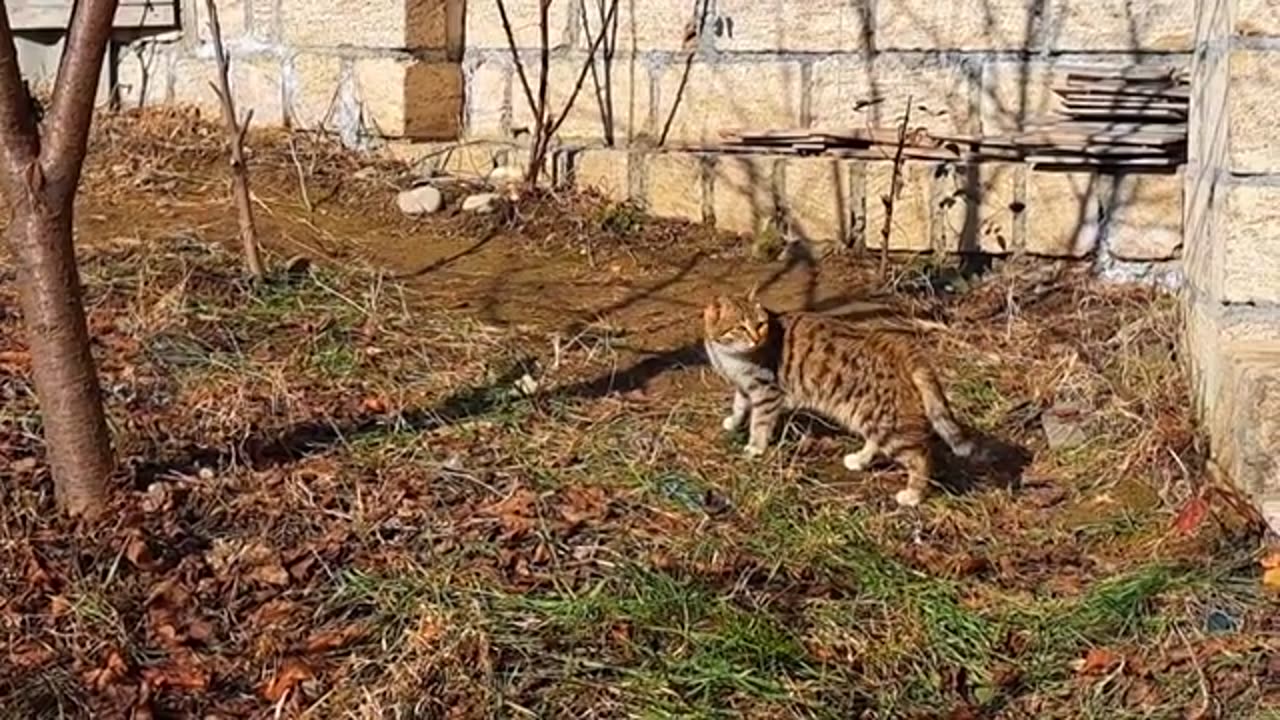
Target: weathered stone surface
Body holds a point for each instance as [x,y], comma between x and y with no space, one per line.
[490,97]
[606,170]
[191,78]
[808,26]
[673,186]
[1144,216]
[484,24]
[1255,18]
[315,99]
[616,98]
[391,24]
[744,189]
[1015,93]
[650,25]
[1245,437]
[257,83]
[421,200]
[1064,213]
[977,207]
[1152,25]
[1252,111]
[849,91]
[910,227]
[1246,238]
[233,19]
[717,96]
[928,25]
[399,97]
[816,199]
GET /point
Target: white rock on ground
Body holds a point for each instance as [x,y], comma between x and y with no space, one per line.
[480,203]
[421,200]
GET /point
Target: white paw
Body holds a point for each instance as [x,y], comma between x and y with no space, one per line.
[855,462]
[964,449]
[730,423]
[753,451]
[908,497]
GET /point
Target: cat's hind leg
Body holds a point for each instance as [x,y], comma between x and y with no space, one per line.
[919,471]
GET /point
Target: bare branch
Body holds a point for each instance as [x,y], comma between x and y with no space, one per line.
[586,67]
[74,92]
[236,131]
[515,54]
[19,139]
[894,186]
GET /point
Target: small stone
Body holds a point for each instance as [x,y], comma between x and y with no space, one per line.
[481,203]
[421,200]
[505,175]
[1064,427]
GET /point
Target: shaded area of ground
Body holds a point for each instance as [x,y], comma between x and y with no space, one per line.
[472,467]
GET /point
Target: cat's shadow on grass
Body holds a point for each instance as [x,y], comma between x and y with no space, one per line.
[994,463]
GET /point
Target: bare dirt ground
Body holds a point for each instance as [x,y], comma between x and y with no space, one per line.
[472,467]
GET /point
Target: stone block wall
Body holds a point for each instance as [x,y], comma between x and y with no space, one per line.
[364,70]
[683,70]
[1232,222]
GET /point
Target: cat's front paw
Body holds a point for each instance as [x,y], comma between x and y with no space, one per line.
[909,497]
[855,462]
[753,451]
[730,423]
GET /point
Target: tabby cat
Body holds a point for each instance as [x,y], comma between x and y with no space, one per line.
[869,377]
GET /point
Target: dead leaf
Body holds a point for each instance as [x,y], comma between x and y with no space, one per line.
[25,465]
[1096,662]
[374,405]
[333,639]
[292,671]
[177,675]
[270,574]
[137,552]
[1191,515]
[59,606]
[113,668]
[199,630]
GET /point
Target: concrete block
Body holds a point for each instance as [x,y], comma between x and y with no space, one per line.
[315,98]
[191,78]
[471,160]
[1252,107]
[616,97]
[910,226]
[781,26]
[704,98]
[257,84]
[652,25]
[1063,213]
[484,24]
[1121,25]
[233,18]
[490,97]
[1015,93]
[604,170]
[266,23]
[390,24]
[1246,239]
[850,91]
[976,207]
[745,193]
[816,200]
[1245,432]
[1144,216]
[928,25]
[416,99]
[673,186]
[1255,18]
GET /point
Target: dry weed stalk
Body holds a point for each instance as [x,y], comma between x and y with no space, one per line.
[545,123]
[894,188]
[236,130]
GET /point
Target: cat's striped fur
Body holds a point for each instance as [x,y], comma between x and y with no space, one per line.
[871,378]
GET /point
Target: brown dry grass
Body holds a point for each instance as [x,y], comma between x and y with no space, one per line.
[339,498]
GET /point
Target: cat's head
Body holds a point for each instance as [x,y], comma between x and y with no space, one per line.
[735,325]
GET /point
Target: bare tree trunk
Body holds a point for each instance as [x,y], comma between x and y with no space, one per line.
[40,185]
[236,130]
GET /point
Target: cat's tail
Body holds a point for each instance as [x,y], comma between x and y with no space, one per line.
[938,410]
